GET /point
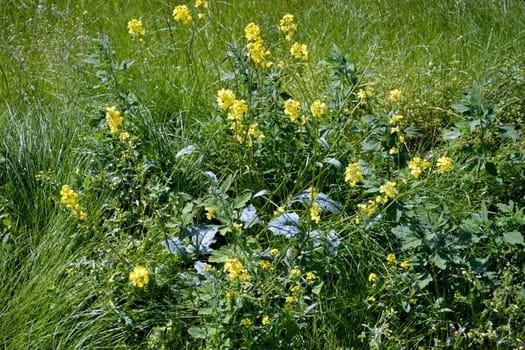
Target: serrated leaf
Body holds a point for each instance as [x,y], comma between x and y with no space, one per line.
[285,224]
[513,237]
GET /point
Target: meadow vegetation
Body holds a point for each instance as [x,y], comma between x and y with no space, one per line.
[262,174]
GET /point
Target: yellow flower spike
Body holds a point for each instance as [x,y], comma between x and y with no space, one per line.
[401,139]
[389,189]
[265,264]
[135,29]
[225,98]
[114,119]
[211,213]
[353,174]
[395,95]
[372,277]
[139,277]
[182,14]
[299,51]
[391,258]
[295,272]
[252,32]
[444,165]
[265,320]
[292,108]
[315,211]
[318,108]
[417,166]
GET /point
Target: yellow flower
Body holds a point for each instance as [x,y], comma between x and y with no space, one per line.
[114,119]
[210,213]
[235,269]
[401,138]
[372,277]
[404,265]
[317,108]
[252,32]
[247,322]
[288,26]
[371,299]
[258,52]
[280,64]
[265,320]
[292,108]
[444,165]
[230,294]
[303,120]
[253,131]
[200,15]
[310,276]
[68,196]
[393,151]
[389,189]
[312,193]
[395,95]
[201,3]
[295,289]
[315,211]
[124,136]
[391,258]
[139,276]
[136,29]
[274,252]
[417,165]
[396,119]
[364,94]
[299,51]
[277,212]
[182,14]
[395,129]
[265,264]
[225,98]
[295,272]
[353,174]
[290,299]
[207,268]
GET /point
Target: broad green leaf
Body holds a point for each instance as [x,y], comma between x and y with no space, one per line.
[285,224]
[513,237]
[439,262]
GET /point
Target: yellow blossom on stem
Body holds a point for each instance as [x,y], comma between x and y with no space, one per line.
[371,299]
[396,119]
[310,276]
[299,51]
[295,272]
[395,95]
[288,26]
[265,320]
[444,165]
[292,108]
[364,95]
[389,189]
[393,150]
[372,277]
[353,174]
[235,269]
[139,276]
[317,108]
[136,29]
[247,322]
[182,14]
[114,119]
[404,265]
[210,213]
[391,258]
[315,211]
[417,166]
[201,4]
[274,252]
[252,32]
[265,264]
[225,98]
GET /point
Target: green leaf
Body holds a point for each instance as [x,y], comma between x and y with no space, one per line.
[424,280]
[439,262]
[453,134]
[460,108]
[197,332]
[508,131]
[513,237]
[317,288]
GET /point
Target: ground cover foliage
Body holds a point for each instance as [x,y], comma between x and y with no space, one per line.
[234,174]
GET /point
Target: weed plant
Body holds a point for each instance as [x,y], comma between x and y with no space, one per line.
[337,175]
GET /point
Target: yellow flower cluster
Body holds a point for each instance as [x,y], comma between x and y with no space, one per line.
[182,14]
[237,109]
[372,277]
[139,277]
[256,50]
[235,270]
[353,174]
[288,26]
[292,108]
[318,108]
[444,165]
[69,198]
[203,5]
[371,206]
[397,121]
[395,95]
[417,166]
[315,211]
[364,95]
[388,189]
[136,29]
[114,119]
[210,213]
[289,301]
[299,51]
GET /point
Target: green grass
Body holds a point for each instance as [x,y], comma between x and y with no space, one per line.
[52,105]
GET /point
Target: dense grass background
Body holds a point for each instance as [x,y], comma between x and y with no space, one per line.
[433,51]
